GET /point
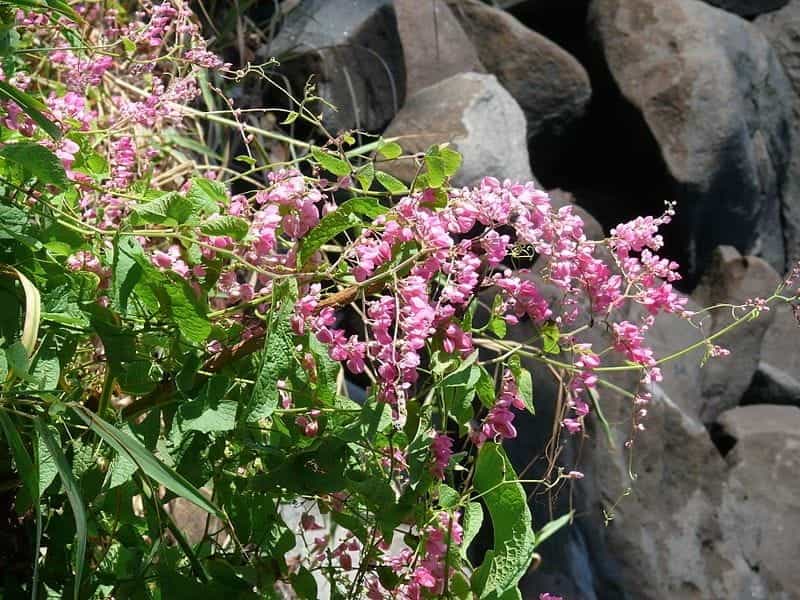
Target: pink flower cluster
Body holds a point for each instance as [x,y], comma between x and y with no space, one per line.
[497,424]
[429,574]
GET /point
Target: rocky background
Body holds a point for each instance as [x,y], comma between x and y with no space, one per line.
[618,106]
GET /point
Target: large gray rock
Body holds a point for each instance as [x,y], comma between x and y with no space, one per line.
[669,531]
[435,46]
[733,279]
[715,101]
[771,385]
[781,347]
[764,463]
[477,116]
[353,50]
[551,86]
[748,8]
[782,29]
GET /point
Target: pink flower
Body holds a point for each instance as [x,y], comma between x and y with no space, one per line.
[442,450]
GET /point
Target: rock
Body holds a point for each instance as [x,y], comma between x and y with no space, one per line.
[781,346]
[669,527]
[748,8]
[704,88]
[551,87]
[733,279]
[770,385]
[474,113]
[782,29]
[763,475]
[353,50]
[435,46]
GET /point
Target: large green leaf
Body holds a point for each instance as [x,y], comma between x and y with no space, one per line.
[331,163]
[38,161]
[168,209]
[235,227]
[277,357]
[343,218]
[514,540]
[12,222]
[129,446]
[74,497]
[188,312]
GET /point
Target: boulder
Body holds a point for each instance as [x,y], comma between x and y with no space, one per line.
[771,385]
[551,86]
[781,347]
[667,529]
[763,466]
[782,29]
[477,116]
[704,89]
[435,46]
[732,279]
[352,49]
[748,8]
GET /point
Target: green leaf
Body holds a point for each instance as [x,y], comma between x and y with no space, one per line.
[32,107]
[366,175]
[277,358]
[46,465]
[451,161]
[525,386]
[514,540]
[12,222]
[343,218]
[235,227]
[497,325]
[524,382]
[552,527]
[473,520]
[391,184]
[206,196]
[485,388]
[74,497]
[390,150]
[304,584]
[188,312]
[209,411]
[168,209]
[435,166]
[448,497]
[38,161]
[331,163]
[17,359]
[129,446]
[550,337]
[25,469]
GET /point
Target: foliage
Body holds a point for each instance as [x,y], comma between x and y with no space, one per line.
[314,338]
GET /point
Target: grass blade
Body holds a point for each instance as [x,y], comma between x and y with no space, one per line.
[127,445]
[74,497]
[25,467]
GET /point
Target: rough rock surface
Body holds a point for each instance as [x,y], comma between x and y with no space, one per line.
[771,385]
[733,279]
[748,8]
[781,347]
[714,98]
[478,116]
[782,29]
[763,477]
[353,50]
[551,87]
[435,46]
[671,535]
